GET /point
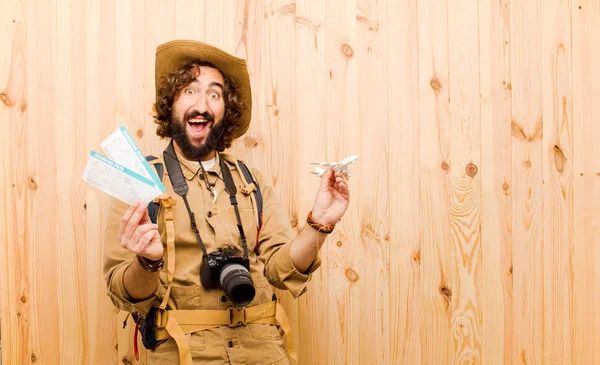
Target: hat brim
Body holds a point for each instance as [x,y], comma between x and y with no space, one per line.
[172,56]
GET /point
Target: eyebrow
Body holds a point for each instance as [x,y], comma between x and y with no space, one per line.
[212,84]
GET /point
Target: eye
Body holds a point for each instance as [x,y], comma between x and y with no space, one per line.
[189,91]
[214,95]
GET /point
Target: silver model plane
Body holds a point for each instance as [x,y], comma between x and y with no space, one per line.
[343,166]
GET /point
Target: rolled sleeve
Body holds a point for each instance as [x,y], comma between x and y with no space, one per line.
[281,272]
[121,299]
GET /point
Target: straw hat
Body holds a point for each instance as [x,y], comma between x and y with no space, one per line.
[173,55]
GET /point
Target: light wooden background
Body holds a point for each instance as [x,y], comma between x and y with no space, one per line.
[474,228]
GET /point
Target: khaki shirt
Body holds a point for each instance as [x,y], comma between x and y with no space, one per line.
[250,344]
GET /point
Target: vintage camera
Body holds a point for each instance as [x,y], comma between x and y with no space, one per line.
[227,268]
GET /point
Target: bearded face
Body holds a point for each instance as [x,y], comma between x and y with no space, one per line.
[197,114]
[200,124]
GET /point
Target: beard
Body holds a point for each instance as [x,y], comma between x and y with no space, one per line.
[182,139]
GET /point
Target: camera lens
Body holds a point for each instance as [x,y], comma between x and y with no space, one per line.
[237,283]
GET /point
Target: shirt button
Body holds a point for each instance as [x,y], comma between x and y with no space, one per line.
[230,343]
[223,298]
[209,214]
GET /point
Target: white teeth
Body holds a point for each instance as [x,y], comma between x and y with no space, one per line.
[194,121]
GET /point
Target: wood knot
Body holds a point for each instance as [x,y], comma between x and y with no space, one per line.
[347,51]
[250,142]
[445,166]
[273,110]
[435,84]
[294,222]
[446,292]
[339,243]
[417,257]
[509,86]
[84,206]
[23,107]
[32,184]
[559,159]
[510,271]
[386,237]
[527,164]
[23,299]
[33,357]
[330,75]
[6,100]
[471,169]
[352,275]
[140,133]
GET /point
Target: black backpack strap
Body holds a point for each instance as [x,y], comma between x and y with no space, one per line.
[154,206]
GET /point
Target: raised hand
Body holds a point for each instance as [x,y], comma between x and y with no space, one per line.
[332,198]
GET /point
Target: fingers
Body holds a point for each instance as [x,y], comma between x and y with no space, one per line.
[145,241]
[141,231]
[326,179]
[141,238]
[341,185]
[134,221]
[125,219]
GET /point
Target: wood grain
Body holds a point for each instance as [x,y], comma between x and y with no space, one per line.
[473,230]
[586,182]
[497,340]
[373,262]
[14,242]
[343,136]
[557,148]
[437,259]
[527,131]
[465,194]
[403,185]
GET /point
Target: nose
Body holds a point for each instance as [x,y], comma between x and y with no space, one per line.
[200,104]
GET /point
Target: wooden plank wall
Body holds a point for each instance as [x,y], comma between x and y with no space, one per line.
[474,228]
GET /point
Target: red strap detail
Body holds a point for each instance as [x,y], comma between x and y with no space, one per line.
[135,346]
[258,233]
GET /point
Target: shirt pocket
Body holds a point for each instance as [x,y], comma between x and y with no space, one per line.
[196,341]
[182,297]
[249,224]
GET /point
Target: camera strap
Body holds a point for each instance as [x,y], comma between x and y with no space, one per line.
[181,188]
[232,190]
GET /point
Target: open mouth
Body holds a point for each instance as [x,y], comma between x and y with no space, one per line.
[198,126]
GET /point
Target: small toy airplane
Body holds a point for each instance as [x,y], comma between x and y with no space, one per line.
[343,166]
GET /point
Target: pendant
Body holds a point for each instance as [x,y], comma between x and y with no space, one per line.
[214,194]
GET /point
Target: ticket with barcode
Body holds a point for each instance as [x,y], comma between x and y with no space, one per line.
[118,180]
[121,148]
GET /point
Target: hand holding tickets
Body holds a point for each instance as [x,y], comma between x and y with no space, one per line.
[124,174]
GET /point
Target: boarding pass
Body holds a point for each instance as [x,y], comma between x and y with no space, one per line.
[124,172]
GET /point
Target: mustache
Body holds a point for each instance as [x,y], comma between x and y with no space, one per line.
[193,114]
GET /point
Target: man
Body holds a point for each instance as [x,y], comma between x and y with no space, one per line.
[158,272]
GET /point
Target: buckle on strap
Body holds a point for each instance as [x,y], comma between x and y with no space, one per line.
[237,317]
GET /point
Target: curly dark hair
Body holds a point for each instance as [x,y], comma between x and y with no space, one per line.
[169,89]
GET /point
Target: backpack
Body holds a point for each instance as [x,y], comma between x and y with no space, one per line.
[154,206]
